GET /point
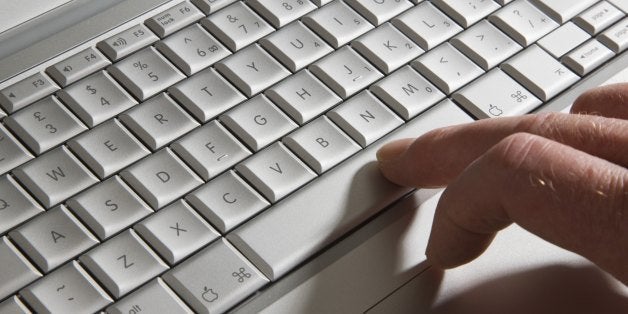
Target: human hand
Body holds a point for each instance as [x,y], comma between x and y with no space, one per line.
[562,177]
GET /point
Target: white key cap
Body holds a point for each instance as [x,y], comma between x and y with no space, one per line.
[346,72]
[486,45]
[252,70]
[563,10]
[16,205]
[215,279]
[237,26]
[426,25]
[365,118]
[192,49]
[109,207]
[210,150]
[467,13]
[26,91]
[55,176]
[447,67]
[321,144]
[280,13]
[123,263]
[127,42]
[379,11]
[161,178]
[153,297]
[537,71]
[176,231]
[78,66]
[616,37]
[621,4]
[507,97]
[68,290]
[12,153]
[599,17]
[108,148]
[504,2]
[523,22]
[295,46]
[563,39]
[337,23]
[303,96]
[13,305]
[174,19]
[258,122]
[387,48]
[158,121]
[588,57]
[407,92]
[321,3]
[227,201]
[53,238]
[275,172]
[16,270]
[206,95]
[211,6]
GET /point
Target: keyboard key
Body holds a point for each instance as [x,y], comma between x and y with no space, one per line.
[78,66]
[96,99]
[227,201]
[55,176]
[237,26]
[346,72]
[13,305]
[53,238]
[588,57]
[378,12]
[158,121]
[537,71]
[280,13]
[145,73]
[426,25]
[252,70]
[485,45]
[210,150]
[321,144]
[16,205]
[174,19]
[108,148]
[154,297]
[12,153]
[109,207]
[127,42]
[337,23]
[621,4]
[467,13]
[563,10]
[67,290]
[123,263]
[161,178]
[16,270]
[176,231]
[523,22]
[258,122]
[215,279]
[26,91]
[211,6]
[321,3]
[616,37]
[192,49]
[563,39]
[598,17]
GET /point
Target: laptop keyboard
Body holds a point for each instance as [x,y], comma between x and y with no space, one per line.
[187,162]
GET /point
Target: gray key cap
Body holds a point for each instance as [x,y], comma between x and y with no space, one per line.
[78,66]
[68,290]
[280,13]
[174,19]
[337,23]
[96,99]
[192,49]
[215,279]
[145,73]
[109,207]
[12,153]
[321,144]
[26,91]
[16,205]
[13,305]
[53,238]
[154,297]
[345,71]
[158,121]
[258,122]
[227,201]
[127,42]
[108,148]
[211,6]
[176,231]
[275,172]
[426,25]
[16,270]
[44,125]
[252,70]
[467,13]
[303,96]
[123,263]
[523,22]
[379,11]
[206,95]
[237,26]
[210,150]
[161,178]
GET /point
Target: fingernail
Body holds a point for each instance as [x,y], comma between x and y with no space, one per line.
[392,150]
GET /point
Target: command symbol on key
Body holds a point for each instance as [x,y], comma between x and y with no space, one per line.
[241,274]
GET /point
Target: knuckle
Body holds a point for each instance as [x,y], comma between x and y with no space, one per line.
[516,150]
[540,123]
